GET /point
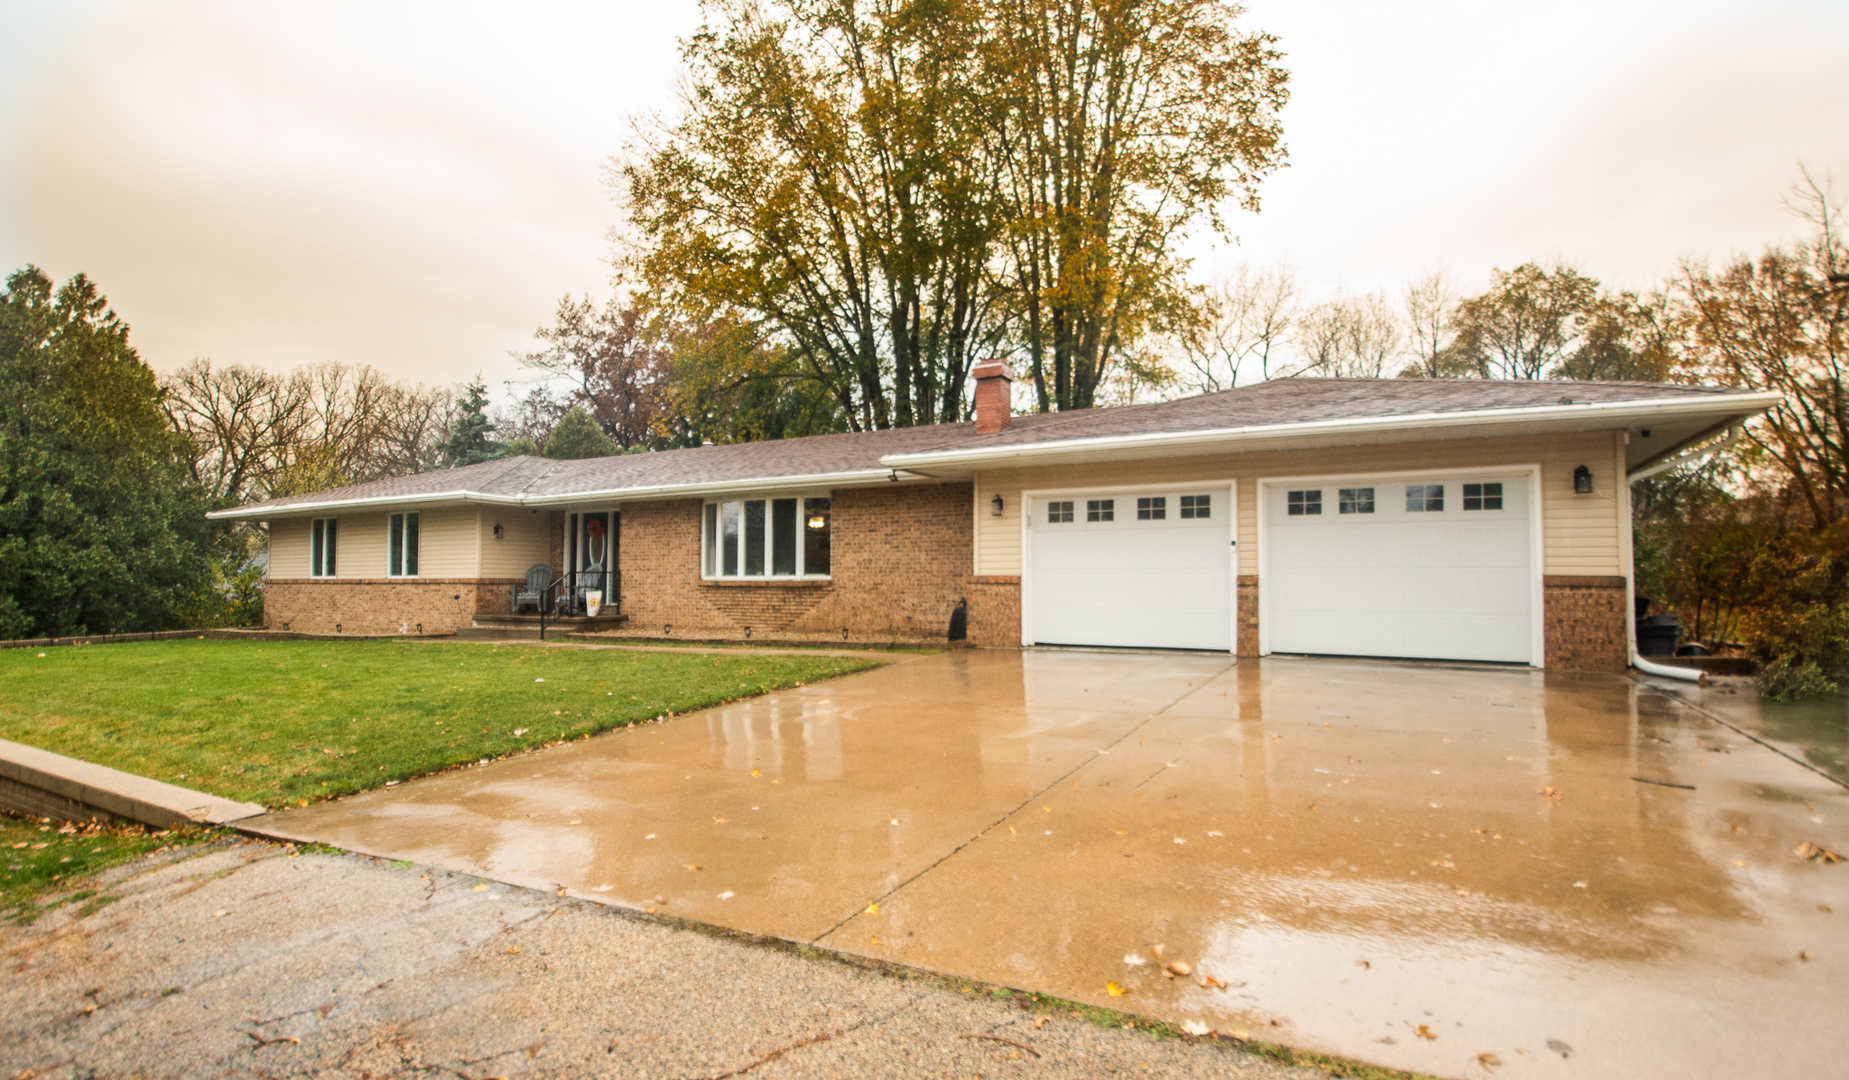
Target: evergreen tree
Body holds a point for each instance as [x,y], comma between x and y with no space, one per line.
[102,527]
[471,435]
[578,436]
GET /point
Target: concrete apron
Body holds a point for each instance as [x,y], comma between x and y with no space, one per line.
[1408,865]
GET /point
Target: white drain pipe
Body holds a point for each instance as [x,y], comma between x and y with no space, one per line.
[1651,667]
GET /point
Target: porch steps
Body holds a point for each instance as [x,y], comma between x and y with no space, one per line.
[526,627]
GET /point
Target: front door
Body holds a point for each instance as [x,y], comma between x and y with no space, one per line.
[592,558]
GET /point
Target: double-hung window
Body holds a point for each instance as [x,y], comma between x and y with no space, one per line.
[771,537]
[321,544]
[401,546]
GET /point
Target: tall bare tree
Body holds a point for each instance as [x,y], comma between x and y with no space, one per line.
[1428,301]
[1240,328]
[1349,337]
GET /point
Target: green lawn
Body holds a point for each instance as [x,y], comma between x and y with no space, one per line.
[39,857]
[278,722]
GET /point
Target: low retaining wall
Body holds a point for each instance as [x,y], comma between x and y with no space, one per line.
[102,639]
[44,784]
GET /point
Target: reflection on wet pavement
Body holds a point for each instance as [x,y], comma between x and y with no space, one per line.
[1407,865]
[1814,730]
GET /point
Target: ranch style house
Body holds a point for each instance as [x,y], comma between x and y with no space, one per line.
[1454,519]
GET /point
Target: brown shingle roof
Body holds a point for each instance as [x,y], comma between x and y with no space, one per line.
[1280,402]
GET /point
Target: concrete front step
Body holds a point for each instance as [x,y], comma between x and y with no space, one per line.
[523,627]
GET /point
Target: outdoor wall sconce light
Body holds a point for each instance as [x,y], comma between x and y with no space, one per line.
[1582,481]
[499,532]
[995,505]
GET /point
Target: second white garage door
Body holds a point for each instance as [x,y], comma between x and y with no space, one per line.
[1148,569]
[1435,567]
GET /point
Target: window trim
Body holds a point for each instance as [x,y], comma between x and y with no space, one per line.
[323,567]
[712,513]
[396,524]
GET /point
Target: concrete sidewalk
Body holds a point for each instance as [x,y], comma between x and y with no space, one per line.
[240,960]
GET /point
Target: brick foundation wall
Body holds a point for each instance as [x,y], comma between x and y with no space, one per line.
[380,605]
[994,611]
[1583,619]
[899,557]
[1246,623]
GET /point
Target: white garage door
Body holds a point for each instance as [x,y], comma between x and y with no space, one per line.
[1437,567]
[1139,569]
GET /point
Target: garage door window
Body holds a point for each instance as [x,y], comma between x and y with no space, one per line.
[1155,509]
[1058,513]
[1425,498]
[1482,496]
[1196,506]
[1355,500]
[1100,509]
[1302,503]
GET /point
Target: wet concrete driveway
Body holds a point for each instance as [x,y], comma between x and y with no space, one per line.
[1429,868]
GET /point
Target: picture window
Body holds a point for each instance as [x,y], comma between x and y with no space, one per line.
[1152,509]
[1058,513]
[1482,496]
[1196,506]
[1355,500]
[766,538]
[1425,498]
[1303,503]
[1100,509]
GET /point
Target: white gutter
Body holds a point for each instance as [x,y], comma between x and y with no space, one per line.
[1648,667]
[662,491]
[1618,413]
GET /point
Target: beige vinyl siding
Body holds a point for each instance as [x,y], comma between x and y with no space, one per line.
[289,541]
[448,541]
[526,542]
[1580,533]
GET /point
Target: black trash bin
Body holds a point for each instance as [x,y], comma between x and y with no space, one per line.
[1657,635]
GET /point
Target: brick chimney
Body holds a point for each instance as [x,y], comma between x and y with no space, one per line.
[994,397]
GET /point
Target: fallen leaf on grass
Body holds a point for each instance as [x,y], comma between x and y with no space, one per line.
[1114,990]
[1809,851]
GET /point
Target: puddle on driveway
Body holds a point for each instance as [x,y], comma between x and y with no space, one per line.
[1406,865]
[1813,730]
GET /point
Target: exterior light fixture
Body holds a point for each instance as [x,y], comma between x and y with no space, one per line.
[996,505]
[500,533]
[1582,481]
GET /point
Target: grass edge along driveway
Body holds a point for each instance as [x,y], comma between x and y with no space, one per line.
[284,722]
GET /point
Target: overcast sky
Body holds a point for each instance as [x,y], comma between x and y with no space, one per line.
[415,185]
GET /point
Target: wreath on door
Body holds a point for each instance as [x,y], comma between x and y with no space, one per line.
[594,529]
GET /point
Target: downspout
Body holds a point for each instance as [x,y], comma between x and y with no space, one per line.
[1651,667]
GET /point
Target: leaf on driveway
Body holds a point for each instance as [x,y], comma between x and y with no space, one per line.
[1134,960]
[695,866]
[1211,983]
[1810,851]
[1488,1060]
[1177,968]
[1424,1032]
[1550,793]
[873,908]
[1115,990]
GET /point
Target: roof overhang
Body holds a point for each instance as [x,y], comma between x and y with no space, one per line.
[1693,417]
[811,482]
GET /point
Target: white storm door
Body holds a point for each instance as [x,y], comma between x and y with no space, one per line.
[1148,569]
[1429,567]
